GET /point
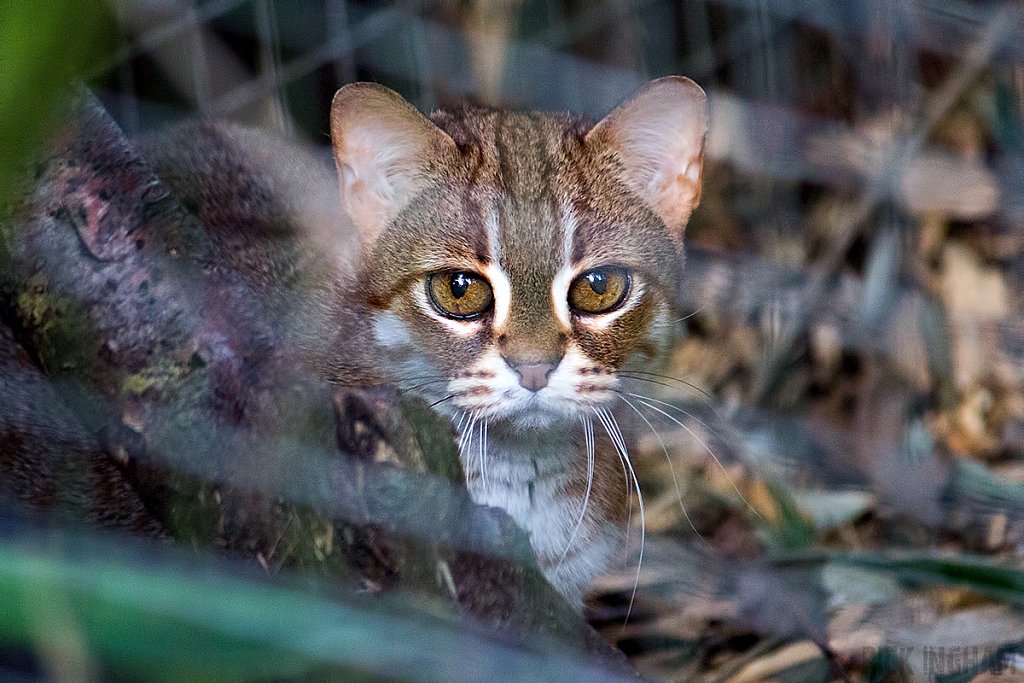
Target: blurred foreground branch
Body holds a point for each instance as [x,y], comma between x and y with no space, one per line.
[147,389]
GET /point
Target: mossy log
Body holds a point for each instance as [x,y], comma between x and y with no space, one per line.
[130,353]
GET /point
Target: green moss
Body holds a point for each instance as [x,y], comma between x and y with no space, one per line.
[164,377]
[435,438]
[38,309]
[137,383]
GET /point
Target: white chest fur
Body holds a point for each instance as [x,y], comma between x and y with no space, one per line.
[527,473]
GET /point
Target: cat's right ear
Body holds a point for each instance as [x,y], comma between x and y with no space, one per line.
[658,139]
[382,146]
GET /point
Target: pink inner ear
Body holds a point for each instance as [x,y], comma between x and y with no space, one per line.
[676,200]
[348,180]
[374,175]
[674,192]
[659,138]
[363,202]
[380,145]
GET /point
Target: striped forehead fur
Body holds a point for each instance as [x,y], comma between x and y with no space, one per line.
[522,172]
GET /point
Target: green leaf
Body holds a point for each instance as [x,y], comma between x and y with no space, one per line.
[43,47]
[991,576]
[94,605]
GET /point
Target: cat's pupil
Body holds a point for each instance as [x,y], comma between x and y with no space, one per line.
[598,281]
[459,284]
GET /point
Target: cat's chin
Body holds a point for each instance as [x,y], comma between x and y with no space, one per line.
[536,419]
[534,413]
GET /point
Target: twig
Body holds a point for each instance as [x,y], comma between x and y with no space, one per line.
[1001,25]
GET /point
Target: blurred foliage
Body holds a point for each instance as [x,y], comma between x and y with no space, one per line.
[92,609]
[44,46]
[861,308]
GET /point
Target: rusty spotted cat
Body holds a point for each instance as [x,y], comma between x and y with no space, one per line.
[514,269]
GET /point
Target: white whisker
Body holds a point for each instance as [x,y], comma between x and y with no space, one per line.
[629,512]
[675,407]
[709,451]
[691,314]
[612,427]
[466,434]
[671,467]
[483,456]
[588,438]
[480,453]
[641,376]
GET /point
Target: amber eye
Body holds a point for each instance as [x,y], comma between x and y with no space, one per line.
[460,294]
[599,290]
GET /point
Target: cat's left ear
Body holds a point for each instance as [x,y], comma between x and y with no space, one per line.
[658,138]
[382,148]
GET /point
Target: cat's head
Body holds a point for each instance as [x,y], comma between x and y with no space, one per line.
[514,263]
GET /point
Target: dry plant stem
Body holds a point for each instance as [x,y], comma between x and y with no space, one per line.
[1002,24]
[733,667]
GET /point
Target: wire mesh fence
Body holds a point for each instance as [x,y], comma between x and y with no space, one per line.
[832,460]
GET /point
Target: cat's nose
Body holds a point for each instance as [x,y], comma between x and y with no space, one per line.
[534,376]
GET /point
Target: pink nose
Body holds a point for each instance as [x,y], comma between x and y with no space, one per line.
[534,376]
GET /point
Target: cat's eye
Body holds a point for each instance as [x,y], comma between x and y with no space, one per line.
[460,294]
[599,290]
